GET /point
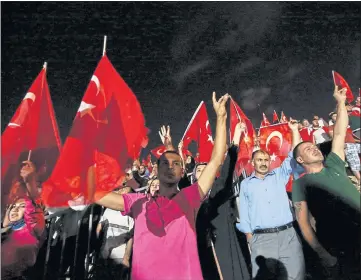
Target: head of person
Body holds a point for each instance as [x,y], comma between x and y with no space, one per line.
[333,117]
[198,170]
[305,123]
[128,174]
[155,169]
[153,186]
[306,154]
[315,123]
[142,169]
[190,164]
[358,101]
[349,107]
[170,169]
[16,211]
[261,162]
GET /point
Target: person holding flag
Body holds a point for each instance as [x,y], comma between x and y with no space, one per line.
[266,217]
[164,238]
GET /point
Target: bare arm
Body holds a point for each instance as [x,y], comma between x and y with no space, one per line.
[309,235]
[296,136]
[209,173]
[112,201]
[98,229]
[339,131]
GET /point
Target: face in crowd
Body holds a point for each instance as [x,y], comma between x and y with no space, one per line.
[199,170]
[17,211]
[261,162]
[305,123]
[189,159]
[155,169]
[170,169]
[333,117]
[315,123]
[142,170]
[154,186]
[307,153]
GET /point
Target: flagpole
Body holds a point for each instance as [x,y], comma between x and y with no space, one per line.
[29,155]
[104,44]
[194,115]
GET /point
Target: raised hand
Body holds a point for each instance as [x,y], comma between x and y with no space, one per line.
[28,171]
[180,145]
[165,136]
[220,105]
[340,94]
[293,124]
[239,129]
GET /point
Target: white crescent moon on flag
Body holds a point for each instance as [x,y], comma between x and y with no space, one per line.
[160,152]
[84,106]
[207,124]
[97,83]
[30,95]
[14,125]
[274,134]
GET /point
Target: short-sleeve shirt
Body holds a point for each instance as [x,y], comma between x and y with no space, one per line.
[165,244]
[332,179]
[333,201]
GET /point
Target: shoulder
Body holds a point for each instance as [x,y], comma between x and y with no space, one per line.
[333,159]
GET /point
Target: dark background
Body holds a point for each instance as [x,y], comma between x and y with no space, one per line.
[173,55]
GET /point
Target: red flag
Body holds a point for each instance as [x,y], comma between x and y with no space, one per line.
[277,141]
[265,121]
[32,128]
[199,130]
[246,144]
[341,82]
[107,131]
[283,118]
[157,152]
[275,117]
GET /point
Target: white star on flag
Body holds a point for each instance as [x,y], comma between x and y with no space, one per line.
[273,157]
[210,139]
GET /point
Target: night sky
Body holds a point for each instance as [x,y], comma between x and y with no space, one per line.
[173,55]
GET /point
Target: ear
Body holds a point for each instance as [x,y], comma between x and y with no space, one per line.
[299,160]
[252,162]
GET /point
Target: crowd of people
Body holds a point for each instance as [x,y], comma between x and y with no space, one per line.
[180,219]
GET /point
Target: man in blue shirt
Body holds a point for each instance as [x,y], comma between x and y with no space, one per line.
[267,220]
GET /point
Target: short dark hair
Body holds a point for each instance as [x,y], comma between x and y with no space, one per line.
[296,149]
[259,152]
[167,152]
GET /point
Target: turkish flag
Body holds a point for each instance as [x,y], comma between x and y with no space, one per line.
[246,143]
[277,141]
[31,134]
[283,118]
[275,117]
[199,131]
[341,82]
[265,121]
[157,152]
[107,132]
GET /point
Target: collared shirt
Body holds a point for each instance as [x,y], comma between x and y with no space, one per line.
[264,202]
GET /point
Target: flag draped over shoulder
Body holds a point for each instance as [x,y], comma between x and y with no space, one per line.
[199,131]
[31,134]
[108,131]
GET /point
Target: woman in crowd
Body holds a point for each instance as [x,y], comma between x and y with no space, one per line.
[25,223]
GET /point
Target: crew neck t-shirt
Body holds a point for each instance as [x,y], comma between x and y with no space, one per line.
[165,243]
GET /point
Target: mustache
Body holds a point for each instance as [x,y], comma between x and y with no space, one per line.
[265,166]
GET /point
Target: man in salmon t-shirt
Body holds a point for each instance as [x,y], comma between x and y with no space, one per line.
[165,243]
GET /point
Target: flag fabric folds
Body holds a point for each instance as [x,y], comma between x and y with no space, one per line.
[341,82]
[265,121]
[31,134]
[199,131]
[108,131]
[275,117]
[246,144]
